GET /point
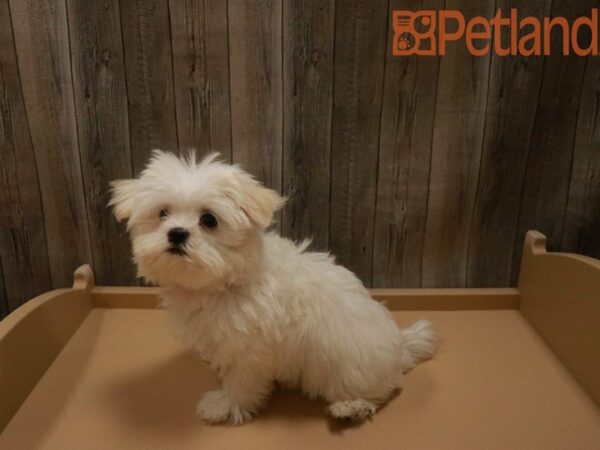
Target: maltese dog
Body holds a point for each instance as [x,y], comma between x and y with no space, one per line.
[258,307]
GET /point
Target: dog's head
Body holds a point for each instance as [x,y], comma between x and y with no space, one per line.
[193,224]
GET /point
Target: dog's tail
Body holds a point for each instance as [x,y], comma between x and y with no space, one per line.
[419,343]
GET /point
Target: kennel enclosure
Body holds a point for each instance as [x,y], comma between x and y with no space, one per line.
[96,367]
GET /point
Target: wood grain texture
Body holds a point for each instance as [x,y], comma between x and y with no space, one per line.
[582,218]
[101,106]
[149,71]
[409,97]
[456,153]
[512,102]
[42,44]
[255,62]
[23,250]
[307,99]
[4,309]
[201,69]
[545,190]
[414,171]
[360,44]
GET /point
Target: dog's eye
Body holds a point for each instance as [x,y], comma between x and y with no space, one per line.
[207,220]
[162,215]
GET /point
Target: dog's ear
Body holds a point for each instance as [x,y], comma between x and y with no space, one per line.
[123,197]
[258,202]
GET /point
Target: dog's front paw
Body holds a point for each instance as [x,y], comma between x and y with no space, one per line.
[216,406]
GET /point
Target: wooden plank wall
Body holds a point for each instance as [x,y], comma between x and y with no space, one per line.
[414,171]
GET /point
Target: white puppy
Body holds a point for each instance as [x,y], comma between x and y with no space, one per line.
[258,307]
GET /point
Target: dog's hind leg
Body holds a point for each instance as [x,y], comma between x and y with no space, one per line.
[357,409]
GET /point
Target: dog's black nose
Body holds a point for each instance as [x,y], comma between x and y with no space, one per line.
[177,236]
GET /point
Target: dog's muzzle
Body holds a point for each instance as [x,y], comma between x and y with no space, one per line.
[177,238]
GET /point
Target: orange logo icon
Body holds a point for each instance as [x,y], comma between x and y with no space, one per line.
[412,30]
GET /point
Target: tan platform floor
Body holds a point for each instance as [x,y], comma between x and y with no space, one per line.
[123,382]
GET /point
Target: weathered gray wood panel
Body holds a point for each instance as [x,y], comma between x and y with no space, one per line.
[415,171]
[4,309]
[511,108]
[360,44]
[23,250]
[147,48]
[199,36]
[307,102]
[101,106]
[456,152]
[255,62]
[42,44]
[582,220]
[544,197]
[409,98]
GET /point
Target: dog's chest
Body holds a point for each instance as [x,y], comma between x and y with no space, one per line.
[215,328]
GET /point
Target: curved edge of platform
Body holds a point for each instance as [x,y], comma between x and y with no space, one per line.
[32,336]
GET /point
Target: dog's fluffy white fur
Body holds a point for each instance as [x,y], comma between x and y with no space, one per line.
[258,307]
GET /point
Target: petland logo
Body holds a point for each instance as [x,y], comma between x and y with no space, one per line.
[427,33]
